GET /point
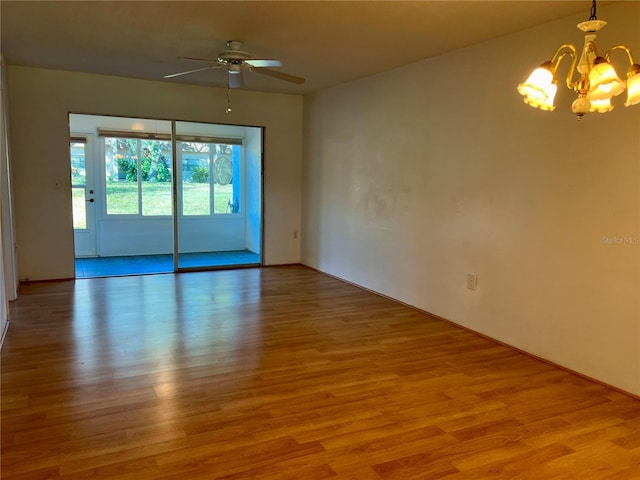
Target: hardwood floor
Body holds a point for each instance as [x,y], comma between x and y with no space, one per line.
[285,373]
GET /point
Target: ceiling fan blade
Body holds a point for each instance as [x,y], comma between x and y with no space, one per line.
[280,76]
[236,80]
[190,71]
[209,60]
[263,63]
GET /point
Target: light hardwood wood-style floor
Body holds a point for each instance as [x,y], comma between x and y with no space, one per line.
[285,373]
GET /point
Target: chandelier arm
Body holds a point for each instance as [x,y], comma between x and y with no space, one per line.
[624,48]
[562,52]
[556,56]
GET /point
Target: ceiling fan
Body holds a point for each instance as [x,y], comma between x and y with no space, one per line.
[235,60]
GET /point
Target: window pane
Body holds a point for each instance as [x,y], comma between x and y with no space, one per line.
[121,164]
[156,173]
[225,164]
[78,183]
[156,198]
[79,208]
[196,178]
[78,172]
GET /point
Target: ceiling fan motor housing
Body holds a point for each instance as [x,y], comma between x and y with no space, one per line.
[234,54]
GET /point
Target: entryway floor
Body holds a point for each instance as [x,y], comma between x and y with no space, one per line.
[145,264]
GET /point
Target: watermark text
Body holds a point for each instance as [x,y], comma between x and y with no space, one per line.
[620,240]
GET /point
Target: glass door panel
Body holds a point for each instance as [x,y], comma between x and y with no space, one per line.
[214,228]
[131,196]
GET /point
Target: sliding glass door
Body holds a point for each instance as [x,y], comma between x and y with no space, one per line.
[155,196]
[214,224]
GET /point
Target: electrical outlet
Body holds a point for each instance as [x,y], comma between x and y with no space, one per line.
[472,281]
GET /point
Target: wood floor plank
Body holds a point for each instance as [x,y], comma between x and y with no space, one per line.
[285,373]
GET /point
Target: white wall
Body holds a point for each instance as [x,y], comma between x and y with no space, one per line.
[40,101]
[415,177]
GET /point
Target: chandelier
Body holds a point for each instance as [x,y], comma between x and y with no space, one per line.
[597,81]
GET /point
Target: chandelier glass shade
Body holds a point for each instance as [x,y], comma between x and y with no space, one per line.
[592,77]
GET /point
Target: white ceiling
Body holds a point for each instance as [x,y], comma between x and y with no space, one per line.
[327,42]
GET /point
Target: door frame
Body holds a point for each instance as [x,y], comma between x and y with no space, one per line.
[84,127]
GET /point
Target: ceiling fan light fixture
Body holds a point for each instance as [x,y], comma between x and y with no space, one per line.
[596,80]
[235,69]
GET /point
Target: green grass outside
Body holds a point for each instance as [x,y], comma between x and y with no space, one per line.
[122,199]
